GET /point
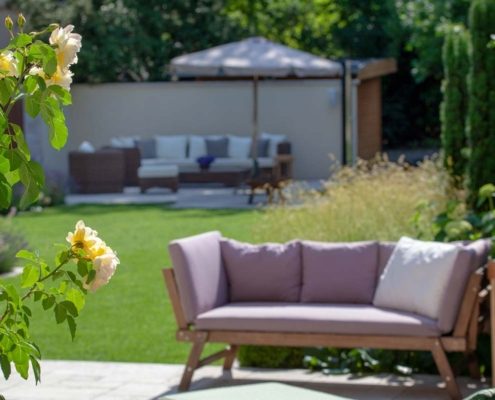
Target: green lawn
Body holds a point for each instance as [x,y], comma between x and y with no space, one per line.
[131,318]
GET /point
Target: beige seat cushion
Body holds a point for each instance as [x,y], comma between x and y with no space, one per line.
[355,319]
[158,171]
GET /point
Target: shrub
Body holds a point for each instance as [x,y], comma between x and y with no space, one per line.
[481,108]
[271,357]
[11,241]
[453,109]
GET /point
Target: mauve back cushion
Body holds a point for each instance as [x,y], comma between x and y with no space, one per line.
[268,272]
[339,272]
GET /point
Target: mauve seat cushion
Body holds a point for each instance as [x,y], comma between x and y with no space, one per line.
[339,272]
[357,319]
[471,256]
[199,273]
[268,272]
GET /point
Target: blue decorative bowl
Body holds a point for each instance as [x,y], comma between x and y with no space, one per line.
[205,162]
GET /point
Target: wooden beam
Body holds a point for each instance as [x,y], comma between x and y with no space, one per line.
[469,302]
[214,357]
[319,339]
[377,68]
[173,293]
[445,370]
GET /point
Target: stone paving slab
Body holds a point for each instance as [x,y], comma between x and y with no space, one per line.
[91,380]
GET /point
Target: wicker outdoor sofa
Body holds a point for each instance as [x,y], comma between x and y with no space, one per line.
[310,294]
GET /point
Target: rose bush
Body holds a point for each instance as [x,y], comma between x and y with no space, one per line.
[39,74]
[62,289]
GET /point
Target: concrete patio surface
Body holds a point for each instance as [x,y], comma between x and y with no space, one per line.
[90,380]
[189,196]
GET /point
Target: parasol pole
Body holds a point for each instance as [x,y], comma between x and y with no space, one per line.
[255,127]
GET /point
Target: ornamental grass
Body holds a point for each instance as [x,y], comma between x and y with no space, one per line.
[374,200]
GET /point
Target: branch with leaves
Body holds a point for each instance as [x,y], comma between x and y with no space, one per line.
[86,265]
[38,73]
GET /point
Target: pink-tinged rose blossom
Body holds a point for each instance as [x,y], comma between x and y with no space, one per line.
[105,266]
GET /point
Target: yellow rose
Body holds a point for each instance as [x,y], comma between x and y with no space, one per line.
[83,237]
[68,45]
[61,77]
[8,64]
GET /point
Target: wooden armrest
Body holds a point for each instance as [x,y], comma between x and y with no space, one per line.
[490,266]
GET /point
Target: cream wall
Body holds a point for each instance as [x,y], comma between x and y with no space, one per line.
[307,111]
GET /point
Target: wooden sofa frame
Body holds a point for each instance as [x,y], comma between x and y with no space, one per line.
[462,339]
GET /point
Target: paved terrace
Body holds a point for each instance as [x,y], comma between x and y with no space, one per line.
[189,196]
[90,380]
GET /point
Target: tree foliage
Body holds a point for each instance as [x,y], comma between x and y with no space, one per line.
[132,40]
[453,109]
[481,108]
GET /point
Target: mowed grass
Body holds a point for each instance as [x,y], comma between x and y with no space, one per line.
[131,319]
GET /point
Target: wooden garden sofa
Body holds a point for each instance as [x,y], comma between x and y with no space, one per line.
[210,307]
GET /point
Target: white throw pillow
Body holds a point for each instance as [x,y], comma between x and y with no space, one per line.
[197,147]
[123,142]
[274,139]
[171,147]
[239,147]
[416,277]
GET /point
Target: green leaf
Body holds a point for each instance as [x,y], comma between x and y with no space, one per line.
[70,307]
[13,294]
[30,276]
[44,54]
[36,369]
[37,295]
[91,276]
[30,84]
[20,141]
[7,87]
[26,255]
[62,257]
[5,364]
[48,302]
[27,311]
[21,360]
[62,94]
[55,120]
[33,104]
[82,268]
[72,326]
[32,177]
[77,298]
[5,192]
[21,40]
[60,313]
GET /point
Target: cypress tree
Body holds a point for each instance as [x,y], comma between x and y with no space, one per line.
[453,109]
[481,106]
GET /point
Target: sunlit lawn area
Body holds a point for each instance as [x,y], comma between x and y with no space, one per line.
[131,318]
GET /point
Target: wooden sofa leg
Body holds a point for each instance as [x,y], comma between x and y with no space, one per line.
[445,370]
[192,364]
[230,358]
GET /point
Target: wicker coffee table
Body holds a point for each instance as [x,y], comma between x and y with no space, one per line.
[257,391]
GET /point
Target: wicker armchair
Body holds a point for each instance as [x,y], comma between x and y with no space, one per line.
[98,172]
